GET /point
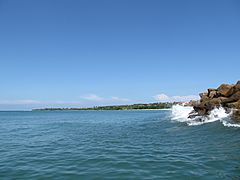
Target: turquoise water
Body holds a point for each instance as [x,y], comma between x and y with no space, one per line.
[115,145]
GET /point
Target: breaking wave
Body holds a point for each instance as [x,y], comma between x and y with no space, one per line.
[180,113]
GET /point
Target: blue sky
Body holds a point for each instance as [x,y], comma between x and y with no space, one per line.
[71,53]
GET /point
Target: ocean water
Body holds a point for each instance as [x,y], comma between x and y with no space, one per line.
[116,145]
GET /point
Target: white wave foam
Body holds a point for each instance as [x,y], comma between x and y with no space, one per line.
[181,113]
[229,124]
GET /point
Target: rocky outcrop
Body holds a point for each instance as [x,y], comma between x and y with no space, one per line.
[226,96]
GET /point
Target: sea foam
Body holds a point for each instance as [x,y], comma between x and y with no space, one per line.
[180,113]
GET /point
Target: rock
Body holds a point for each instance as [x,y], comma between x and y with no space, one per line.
[210,90]
[224,89]
[193,114]
[226,95]
[235,96]
[225,100]
[234,89]
[211,104]
[212,94]
[236,115]
[200,109]
[234,105]
[205,94]
[192,103]
[204,97]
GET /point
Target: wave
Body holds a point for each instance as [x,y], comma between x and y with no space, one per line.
[180,113]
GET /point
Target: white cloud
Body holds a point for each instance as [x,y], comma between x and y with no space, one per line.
[119,99]
[92,97]
[161,97]
[166,98]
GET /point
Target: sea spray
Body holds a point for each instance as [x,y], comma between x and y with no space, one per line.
[230,124]
[215,115]
[180,113]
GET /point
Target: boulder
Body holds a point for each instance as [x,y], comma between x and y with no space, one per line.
[211,89]
[212,94]
[200,109]
[224,89]
[204,97]
[226,95]
[193,114]
[236,115]
[211,104]
[192,103]
[204,94]
[235,96]
[234,89]
[225,100]
[234,105]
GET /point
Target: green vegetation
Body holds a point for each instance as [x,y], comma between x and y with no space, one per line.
[117,107]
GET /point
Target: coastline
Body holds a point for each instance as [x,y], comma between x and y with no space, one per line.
[149,106]
[165,109]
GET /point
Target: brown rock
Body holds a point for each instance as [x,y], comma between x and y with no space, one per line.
[211,89]
[235,96]
[237,87]
[226,95]
[236,115]
[192,103]
[212,94]
[211,104]
[224,100]
[234,89]
[234,105]
[200,109]
[224,89]
[204,97]
[203,94]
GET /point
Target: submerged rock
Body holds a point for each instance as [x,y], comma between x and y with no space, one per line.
[226,96]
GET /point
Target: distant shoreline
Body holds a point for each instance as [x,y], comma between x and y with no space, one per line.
[167,109]
[150,106]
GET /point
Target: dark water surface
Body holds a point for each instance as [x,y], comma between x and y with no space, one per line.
[114,145]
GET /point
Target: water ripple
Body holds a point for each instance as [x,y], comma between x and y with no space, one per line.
[114,145]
